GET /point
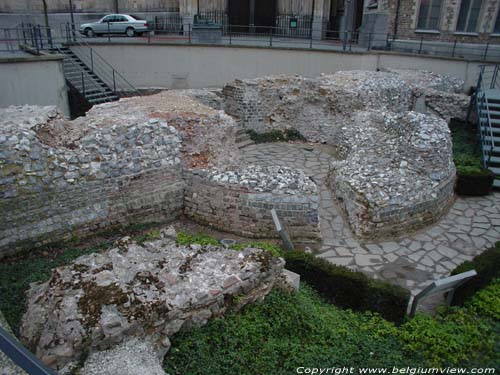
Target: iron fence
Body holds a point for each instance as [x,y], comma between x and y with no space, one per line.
[172,30]
[169,24]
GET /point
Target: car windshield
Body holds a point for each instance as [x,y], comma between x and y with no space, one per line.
[137,18]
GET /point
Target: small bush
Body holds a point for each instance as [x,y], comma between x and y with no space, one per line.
[350,289]
[276,136]
[201,239]
[486,302]
[275,250]
[455,336]
[487,266]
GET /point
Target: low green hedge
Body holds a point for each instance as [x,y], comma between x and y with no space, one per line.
[487,266]
[350,289]
[276,136]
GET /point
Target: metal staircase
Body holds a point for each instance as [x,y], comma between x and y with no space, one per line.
[487,102]
[84,79]
[84,68]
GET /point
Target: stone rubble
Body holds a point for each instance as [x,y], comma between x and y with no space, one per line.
[132,357]
[148,292]
[266,179]
[397,165]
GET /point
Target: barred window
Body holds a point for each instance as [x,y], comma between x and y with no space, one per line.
[469,15]
[429,14]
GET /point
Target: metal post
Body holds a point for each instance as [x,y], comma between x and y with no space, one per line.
[21,356]
[387,44]
[270,37]
[114,82]
[421,44]
[369,41]
[486,50]
[230,37]
[91,60]
[454,47]
[83,85]
[189,33]
[73,33]
[109,34]
[49,37]
[344,42]
[311,37]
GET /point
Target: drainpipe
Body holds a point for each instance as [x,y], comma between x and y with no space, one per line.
[396,19]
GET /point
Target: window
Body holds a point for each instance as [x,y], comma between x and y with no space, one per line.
[496,30]
[429,14]
[469,15]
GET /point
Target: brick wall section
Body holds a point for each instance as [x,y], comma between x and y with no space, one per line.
[449,14]
[235,209]
[56,213]
[380,222]
[122,174]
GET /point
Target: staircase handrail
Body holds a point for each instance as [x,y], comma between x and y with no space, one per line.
[484,102]
[110,76]
[94,85]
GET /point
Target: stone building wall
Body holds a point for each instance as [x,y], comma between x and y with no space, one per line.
[408,16]
[51,188]
[232,206]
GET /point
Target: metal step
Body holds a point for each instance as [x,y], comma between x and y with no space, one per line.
[493,159]
[495,139]
[495,170]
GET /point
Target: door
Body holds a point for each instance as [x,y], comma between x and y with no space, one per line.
[265,13]
[102,26]
[119,25]
[239,15]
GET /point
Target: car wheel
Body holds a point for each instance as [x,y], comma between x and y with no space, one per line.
[130,32]
[89,32]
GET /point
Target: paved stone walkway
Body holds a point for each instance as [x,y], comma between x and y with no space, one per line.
[413,261]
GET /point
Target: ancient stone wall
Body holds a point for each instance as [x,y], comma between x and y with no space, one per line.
[85,178]
[397,175]
[147,292]
[318,107]
[397,171]
[233,202]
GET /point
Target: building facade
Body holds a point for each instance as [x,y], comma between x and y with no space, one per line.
[467,21]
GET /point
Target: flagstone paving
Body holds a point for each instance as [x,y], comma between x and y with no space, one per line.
[413,261]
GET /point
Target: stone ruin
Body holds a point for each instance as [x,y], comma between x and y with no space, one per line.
[124,162]
[396,172]
[155,158]
[145,293]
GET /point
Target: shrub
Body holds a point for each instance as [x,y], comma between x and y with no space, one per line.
[275,250]
[201,239]
[350,289]
[487,266]
[456,336]
[486,302]
[284,332]
[276,136]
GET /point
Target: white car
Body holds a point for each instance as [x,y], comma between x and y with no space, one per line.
[115,24]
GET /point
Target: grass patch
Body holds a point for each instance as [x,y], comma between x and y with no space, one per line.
[284,332]
[465,151]
[286,135]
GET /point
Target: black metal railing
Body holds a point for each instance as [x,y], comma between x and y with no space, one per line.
[172,30]
[21,356]
[169,24]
